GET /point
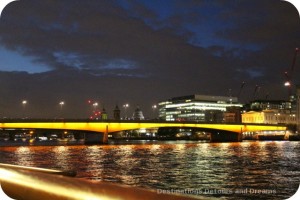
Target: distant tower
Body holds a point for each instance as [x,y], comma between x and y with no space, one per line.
[138,114]
[117,113]
[103,114]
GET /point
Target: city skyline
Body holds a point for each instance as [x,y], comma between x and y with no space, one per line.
[142,52]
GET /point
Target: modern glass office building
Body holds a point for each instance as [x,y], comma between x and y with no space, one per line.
[283,106]
[202,108]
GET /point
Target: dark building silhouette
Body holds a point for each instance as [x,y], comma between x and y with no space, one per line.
[138,114]
[233,114]
[117,113]
[104,114]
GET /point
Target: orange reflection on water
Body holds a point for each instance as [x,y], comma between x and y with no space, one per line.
[174,164]
[22,156]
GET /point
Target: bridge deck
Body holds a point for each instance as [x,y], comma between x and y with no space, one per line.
[114,126]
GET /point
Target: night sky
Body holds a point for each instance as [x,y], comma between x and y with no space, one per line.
[141,52]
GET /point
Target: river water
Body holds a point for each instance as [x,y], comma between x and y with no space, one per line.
[239,170]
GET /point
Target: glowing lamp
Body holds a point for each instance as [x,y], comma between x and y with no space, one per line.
[287,83]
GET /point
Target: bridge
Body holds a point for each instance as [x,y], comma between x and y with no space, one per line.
[97,131]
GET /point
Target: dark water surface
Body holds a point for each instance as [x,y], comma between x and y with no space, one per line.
[245,170]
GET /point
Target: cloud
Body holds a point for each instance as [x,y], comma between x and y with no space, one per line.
[261,22]
[134,51]
[88,38]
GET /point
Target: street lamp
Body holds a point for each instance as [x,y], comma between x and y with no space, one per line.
[95,112]
[24,103]
[125,107]
[61,104]
[154,108]
[95,105]
[287,83]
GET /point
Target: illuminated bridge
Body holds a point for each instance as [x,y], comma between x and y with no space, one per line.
[97,131]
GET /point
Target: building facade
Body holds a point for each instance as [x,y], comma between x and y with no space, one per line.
[201,108]
[271,112]
[280,105]
[269,117]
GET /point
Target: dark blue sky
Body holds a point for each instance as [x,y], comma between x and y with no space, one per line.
[141,52]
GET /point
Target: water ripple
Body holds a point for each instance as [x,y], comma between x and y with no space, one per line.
[223,170]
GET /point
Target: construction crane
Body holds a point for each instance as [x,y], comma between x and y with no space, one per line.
[256,90]
[289,74]
[241,88]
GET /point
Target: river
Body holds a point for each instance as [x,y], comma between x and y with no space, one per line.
[239,170]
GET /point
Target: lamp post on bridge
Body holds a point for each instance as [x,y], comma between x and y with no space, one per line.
[24,103]
[61,104]
[95,105]
[93,109]
[154,107]
[125,108]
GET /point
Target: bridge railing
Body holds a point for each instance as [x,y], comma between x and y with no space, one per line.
[14,120]
[36,169]
[20,183]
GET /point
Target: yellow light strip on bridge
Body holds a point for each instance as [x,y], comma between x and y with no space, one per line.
[121,126]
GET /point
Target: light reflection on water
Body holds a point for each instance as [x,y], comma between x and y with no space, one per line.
[176,165]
